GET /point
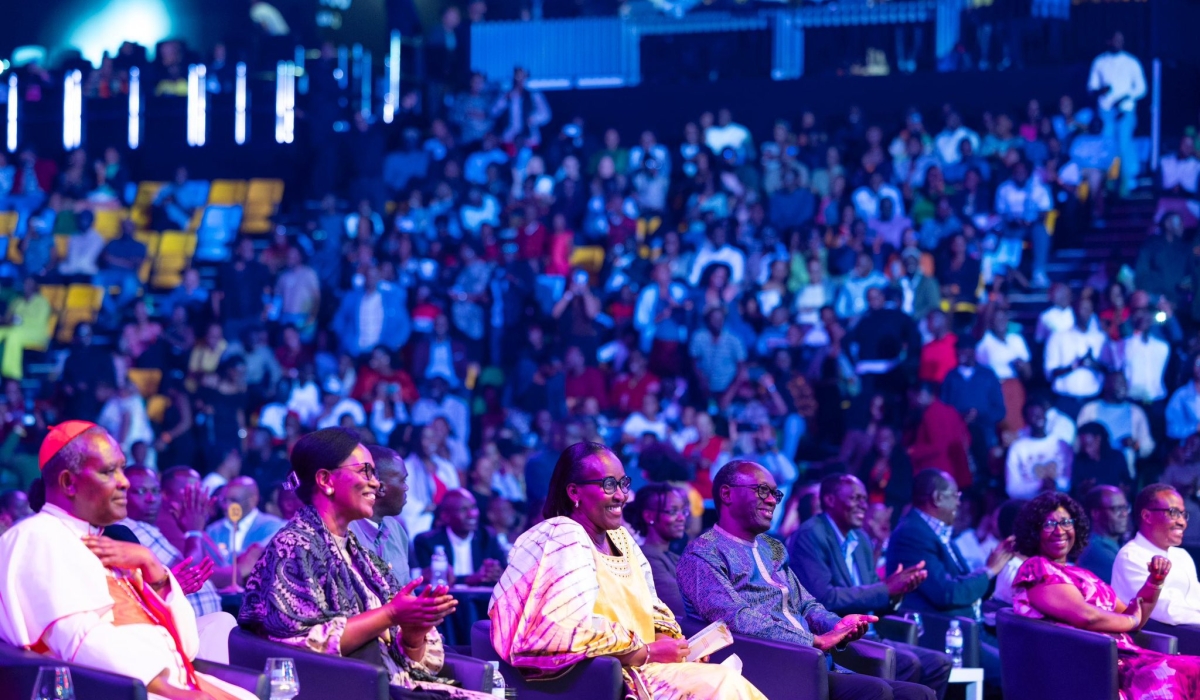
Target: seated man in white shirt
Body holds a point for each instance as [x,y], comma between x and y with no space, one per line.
[1023,202]
[71,594]
[474,554]
[718,250]
[1126,422]
[1161,520]
[255,528]
[83,250]
[1039,462]
[1072,361]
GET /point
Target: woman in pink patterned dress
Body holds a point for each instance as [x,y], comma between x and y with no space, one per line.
[1052,528]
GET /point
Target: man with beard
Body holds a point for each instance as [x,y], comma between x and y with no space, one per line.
[383,533]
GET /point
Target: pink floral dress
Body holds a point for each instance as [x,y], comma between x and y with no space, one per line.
[1142,673]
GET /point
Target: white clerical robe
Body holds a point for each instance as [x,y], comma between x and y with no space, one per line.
[54,595]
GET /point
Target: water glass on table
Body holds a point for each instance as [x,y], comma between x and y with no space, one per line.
[53,683]
[285,685]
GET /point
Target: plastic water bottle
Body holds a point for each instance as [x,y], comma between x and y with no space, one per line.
[497,680]
[954,644]
[439,566]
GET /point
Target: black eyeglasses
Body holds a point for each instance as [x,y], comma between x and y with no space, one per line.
[1173,513]
[610,484]
[367,472]
[762,490]
[1065,524]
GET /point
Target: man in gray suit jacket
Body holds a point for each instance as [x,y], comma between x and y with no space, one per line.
[833,558]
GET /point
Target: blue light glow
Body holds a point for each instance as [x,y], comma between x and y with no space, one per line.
[145,22]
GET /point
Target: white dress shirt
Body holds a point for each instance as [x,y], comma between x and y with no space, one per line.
[1063,348]
[1182,172]
[1052,320]
[734,258]
[1121,72]
[464,564]
[1143,359]
[999,355]
[946,144]
[1179,602]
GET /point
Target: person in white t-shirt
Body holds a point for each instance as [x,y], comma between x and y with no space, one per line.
[1118,81]
[1006,354]
[1039,462]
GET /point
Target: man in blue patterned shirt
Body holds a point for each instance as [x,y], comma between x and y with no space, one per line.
[736,573]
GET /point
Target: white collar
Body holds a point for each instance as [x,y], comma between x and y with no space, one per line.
[79,527]
[1143,542]
[456,541]
[245,522]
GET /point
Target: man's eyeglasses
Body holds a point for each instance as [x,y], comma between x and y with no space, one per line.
[367,472]
[610,484]
[763,491]
[1065,524]
[1172,513]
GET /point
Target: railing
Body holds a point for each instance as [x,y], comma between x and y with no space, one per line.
[605,52]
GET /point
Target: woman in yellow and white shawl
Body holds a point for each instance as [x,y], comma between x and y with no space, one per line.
[577,587]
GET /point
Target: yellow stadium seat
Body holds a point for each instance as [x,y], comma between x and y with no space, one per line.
[147,192]
[108,222]
[1051,221]
[146,380]
[588,257]
[82,304]
[227,192]
[177,243]
[15,256]
[149,239]
[156,407]
[8,222]
[1114,169]
[56,294]
[175,250]
[262,201]
[61,240]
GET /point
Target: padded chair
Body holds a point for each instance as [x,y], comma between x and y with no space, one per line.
[146,380]
[323,676]
[19,668]
[8,222]
[807,677]
[593,679]
[108,222]
[262,201]
[227,192]
[1029,648]
[1188,635]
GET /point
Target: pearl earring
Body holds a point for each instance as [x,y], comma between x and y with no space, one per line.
[576,503]
[649,522]
[328,492]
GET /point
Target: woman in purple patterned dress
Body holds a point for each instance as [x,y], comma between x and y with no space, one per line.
[1052,528]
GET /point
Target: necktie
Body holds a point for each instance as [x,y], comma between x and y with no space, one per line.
[380,536]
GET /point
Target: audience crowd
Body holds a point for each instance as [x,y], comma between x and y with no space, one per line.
[838,311]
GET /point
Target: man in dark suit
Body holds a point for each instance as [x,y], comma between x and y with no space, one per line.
[833,558]
[951,589]
[475,555]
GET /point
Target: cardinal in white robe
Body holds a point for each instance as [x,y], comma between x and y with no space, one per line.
[72,594]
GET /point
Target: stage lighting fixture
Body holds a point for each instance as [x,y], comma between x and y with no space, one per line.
[285,102]
[11,131]
[239,106]
[135,108]
[391,101]
[197,105]
[72,110]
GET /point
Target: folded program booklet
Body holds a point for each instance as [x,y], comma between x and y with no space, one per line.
[709,640]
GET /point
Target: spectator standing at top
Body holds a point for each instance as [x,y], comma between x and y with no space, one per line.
[521,112]
[1118,81]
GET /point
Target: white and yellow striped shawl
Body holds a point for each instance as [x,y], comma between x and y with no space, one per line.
[541,610]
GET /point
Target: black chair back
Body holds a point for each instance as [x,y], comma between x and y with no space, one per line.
[595,679]
[321,676]
[1042,660]
[934,638]
[1188,635]
[19,669]
[777,669]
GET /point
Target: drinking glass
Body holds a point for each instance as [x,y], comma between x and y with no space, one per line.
[53,683]
[285,685]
